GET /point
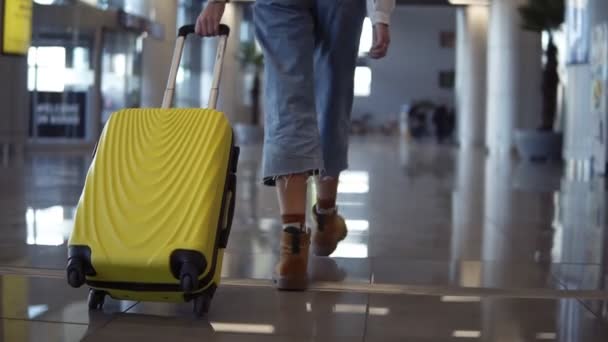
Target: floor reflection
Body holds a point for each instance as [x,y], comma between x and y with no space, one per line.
[418,214]
[475,218]
[50,226]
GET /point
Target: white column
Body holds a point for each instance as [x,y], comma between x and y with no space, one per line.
[580,124]
[231,89]
[498,208]
[157,54]
[514,76]
[578,143]
[467,217]
[209,52]
[471,67]
[231,86]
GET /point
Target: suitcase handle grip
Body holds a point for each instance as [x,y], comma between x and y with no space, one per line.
[183,33]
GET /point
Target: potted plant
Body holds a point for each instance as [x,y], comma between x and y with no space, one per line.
[252,61]
[544,143]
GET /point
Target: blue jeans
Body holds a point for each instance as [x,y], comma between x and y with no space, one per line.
[310,49]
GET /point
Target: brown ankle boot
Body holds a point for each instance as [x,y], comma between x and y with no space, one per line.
[331,229]
[292,271]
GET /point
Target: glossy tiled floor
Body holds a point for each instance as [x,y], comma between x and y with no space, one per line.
[444,245]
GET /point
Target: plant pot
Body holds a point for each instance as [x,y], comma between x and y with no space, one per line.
[538,145]
[248,134]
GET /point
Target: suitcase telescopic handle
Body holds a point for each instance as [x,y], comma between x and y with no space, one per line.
[183,33]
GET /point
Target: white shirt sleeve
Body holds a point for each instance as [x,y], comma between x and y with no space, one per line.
[379,11]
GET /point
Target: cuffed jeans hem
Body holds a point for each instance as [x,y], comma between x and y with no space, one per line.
[311,167]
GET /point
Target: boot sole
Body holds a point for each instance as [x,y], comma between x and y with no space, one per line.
[326,250]
[291,283]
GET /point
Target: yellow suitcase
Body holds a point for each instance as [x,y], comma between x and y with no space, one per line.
[155,213]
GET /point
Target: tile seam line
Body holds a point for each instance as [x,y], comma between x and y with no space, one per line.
[579,300]
[45,321]
[367,288]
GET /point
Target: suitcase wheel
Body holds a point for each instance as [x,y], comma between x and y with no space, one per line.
[76,272]
[189,278]
[76,277]
[96,299]
[201,305]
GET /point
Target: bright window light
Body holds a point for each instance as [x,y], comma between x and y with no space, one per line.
[47,227]
[180,76]
[79,78]
[367,37]
[244,34]
[470,2]
[51,56]
[50,79]
[119,62]
[267,224]
[31,78]
[363,81]
[354,182]
[351,250]
[34,311]
[357,225]
[47,68]
[31,56]
[81,58]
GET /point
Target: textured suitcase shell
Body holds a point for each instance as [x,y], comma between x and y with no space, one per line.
[157,184]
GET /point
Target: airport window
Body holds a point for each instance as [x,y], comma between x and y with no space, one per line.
[46,68]
[367,37]
[47,2]
[363,73]
[363,81]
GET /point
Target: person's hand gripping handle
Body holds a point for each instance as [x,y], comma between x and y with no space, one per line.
[381,42]
[208,21]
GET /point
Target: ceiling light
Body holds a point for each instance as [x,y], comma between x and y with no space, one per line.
[470,2]
[467,333]
[546,336]
[350,308]
[243,328]
[355,308]
[361,309]
[460,299]
[379,311]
